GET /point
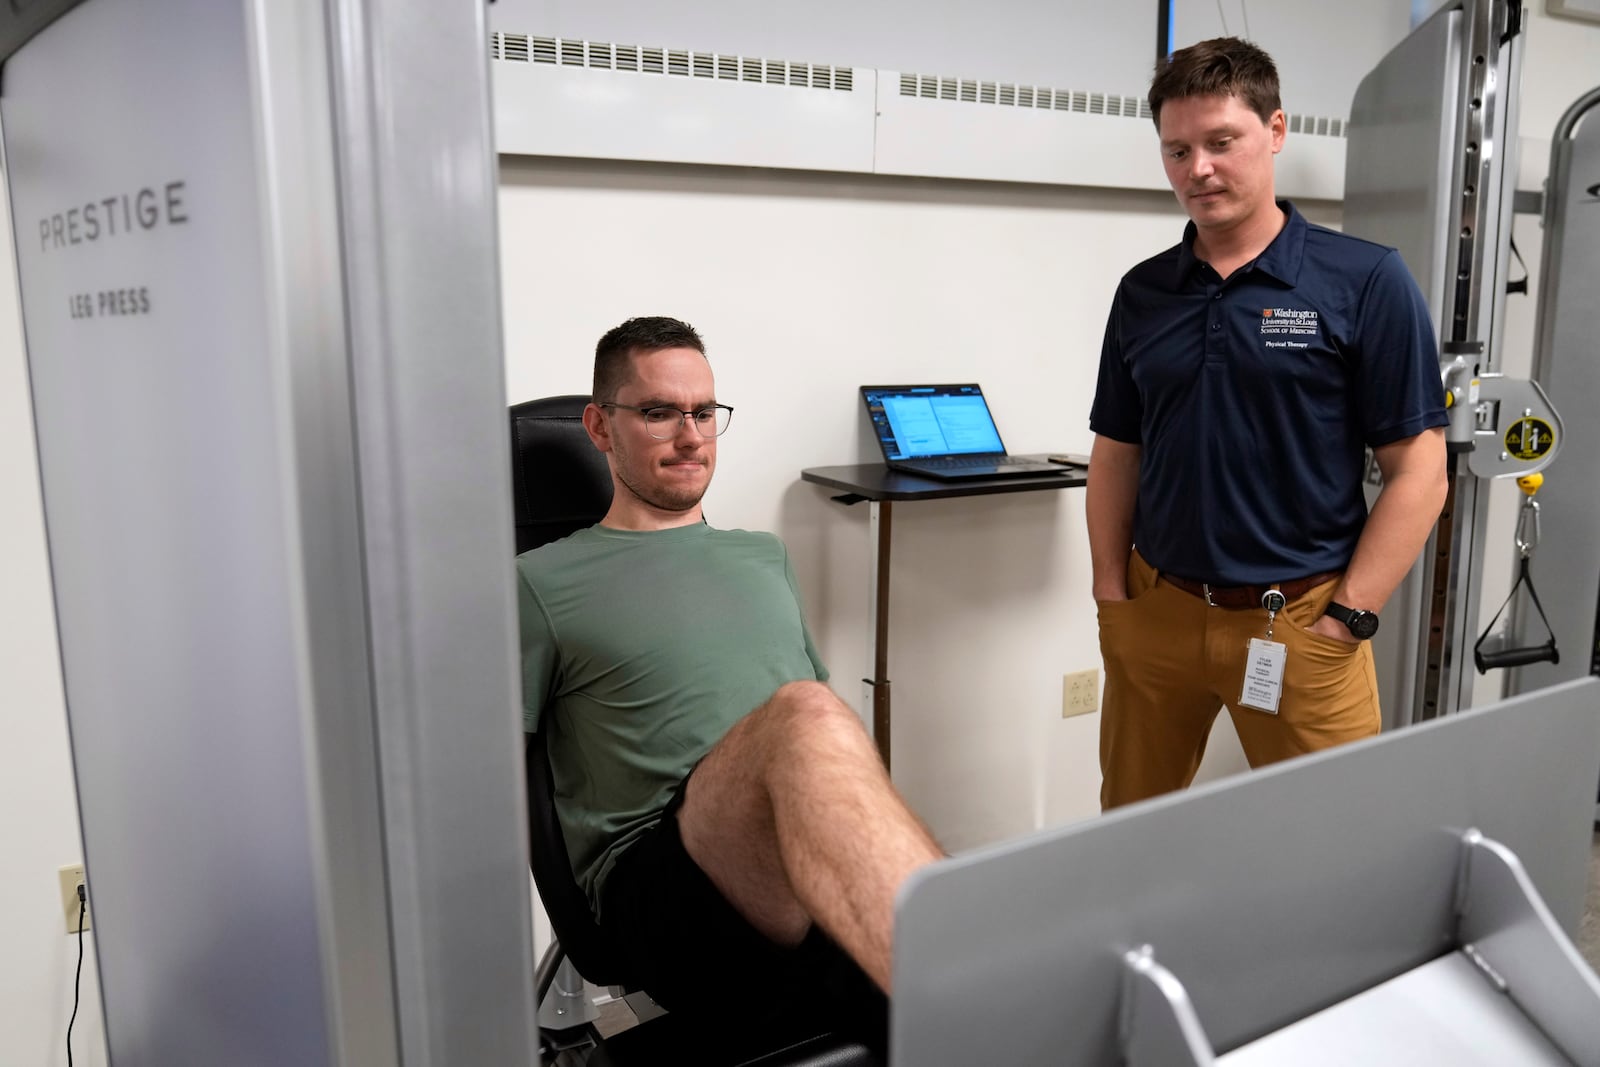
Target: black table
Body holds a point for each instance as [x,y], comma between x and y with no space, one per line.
[881,487]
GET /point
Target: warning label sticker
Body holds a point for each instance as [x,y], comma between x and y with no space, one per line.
[1529,438]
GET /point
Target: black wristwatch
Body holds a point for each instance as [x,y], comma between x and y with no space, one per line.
[1362,624]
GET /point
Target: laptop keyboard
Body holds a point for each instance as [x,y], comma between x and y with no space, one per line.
[961,463]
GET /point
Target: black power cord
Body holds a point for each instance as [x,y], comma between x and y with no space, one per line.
[77,980]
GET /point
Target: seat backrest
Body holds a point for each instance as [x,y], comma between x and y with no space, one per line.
[561,484]
[584,942]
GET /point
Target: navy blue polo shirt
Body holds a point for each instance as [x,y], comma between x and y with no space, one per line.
[1251,399]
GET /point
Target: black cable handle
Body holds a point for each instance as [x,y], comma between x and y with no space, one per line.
[1517,657]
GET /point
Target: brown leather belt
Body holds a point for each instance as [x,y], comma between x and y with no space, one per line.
[1236,597]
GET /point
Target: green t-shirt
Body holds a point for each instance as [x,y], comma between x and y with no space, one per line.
[642,649]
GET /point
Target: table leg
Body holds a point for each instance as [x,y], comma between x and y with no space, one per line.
[881,514]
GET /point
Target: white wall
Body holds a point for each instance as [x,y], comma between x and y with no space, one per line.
[38,801]
[805,286]
[1358,32]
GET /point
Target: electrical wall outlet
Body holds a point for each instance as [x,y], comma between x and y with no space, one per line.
[1080,693]
[71,879]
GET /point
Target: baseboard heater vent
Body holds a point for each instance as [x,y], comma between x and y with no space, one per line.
[1007,94]
[683,63]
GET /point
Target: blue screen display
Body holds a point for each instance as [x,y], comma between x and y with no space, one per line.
[922,421]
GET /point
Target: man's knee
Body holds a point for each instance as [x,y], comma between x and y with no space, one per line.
[802,711]
[802,694]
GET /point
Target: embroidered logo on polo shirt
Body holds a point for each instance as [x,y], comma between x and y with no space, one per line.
[1283,323]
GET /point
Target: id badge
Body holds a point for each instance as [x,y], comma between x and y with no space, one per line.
[1263,675]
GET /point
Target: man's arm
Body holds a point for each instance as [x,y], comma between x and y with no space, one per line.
[1414,488]
[538,649]
[1109,500]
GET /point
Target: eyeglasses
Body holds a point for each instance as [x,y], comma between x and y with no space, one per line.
[663,423]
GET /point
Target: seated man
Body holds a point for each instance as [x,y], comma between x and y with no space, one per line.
[726,813]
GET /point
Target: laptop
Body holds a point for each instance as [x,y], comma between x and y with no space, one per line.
[944,431]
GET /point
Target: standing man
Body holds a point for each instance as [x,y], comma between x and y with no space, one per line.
[727,814]
[1242,373]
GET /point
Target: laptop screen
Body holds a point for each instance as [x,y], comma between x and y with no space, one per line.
[920,421]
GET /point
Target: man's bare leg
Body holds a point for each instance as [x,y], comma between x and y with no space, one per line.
[793,818]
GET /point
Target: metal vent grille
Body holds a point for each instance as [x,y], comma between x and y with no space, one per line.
[1008,94]
[1317,125]
[675,62]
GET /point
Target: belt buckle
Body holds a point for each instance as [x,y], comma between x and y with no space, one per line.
[1206,588]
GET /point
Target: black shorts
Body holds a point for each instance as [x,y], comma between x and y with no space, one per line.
[694,953]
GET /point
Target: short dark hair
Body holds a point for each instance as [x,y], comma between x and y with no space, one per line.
[1222,66]
[650,333]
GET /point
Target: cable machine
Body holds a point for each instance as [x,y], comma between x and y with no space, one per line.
[1430,171]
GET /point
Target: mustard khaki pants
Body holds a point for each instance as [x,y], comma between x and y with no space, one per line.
[1172,662]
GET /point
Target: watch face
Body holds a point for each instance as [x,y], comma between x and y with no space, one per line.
[1363,624]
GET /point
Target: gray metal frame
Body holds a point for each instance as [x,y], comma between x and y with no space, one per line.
[1514,990]
[1269,896]
[308,326]
[414,152]
[1400,195]
[1566,361]
[1438,184]
[278,527]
